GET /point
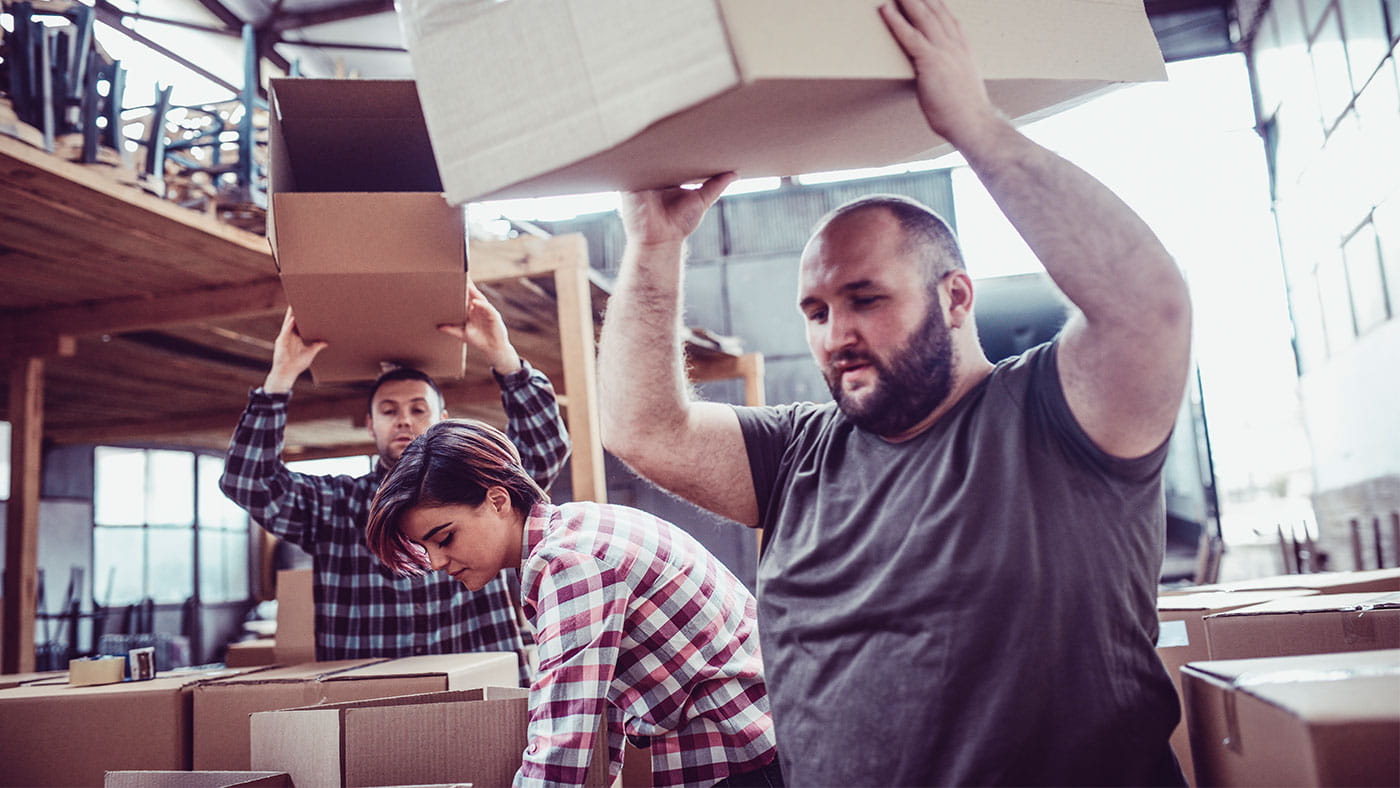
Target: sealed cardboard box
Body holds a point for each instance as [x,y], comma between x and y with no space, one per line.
[1361,581]
[197,780]
[295,640]
[1181,639]
[535,97]
[221,708]
[475,736]
[1329,719]
[371,257]
[60,735]
[1325,623]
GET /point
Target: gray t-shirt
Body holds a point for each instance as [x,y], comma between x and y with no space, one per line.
[975,606]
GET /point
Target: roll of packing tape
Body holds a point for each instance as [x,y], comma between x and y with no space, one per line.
[100,670]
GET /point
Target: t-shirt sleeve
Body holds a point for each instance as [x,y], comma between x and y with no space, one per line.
[768,432]
[1046,401]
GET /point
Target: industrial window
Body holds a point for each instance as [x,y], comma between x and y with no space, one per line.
[162,529]
[1387,221]
[1337,319]
[4,460]
[1364,279]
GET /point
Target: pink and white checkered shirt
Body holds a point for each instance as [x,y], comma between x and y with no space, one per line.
[637,623]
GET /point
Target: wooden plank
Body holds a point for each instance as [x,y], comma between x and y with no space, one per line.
[199,305]
[20,347]
[81,188]
[576,342]
[26,416]
[751,365]
[522,256]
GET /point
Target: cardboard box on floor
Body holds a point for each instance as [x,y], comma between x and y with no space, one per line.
[295,641]
[1326,623]
[197,780]
[59,735]
[1182,638]
[476,736]
[221,708]
[537,97]
[1329,719]
[1361,581]
[371,257]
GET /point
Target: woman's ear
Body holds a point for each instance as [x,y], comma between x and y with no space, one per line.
[499,499]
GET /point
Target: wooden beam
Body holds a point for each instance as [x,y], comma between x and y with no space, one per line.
[26,416]
[51,346]
[525,255]
[571,284]
[326,452]
[160,310]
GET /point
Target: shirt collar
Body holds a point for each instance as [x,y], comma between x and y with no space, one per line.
[535,526]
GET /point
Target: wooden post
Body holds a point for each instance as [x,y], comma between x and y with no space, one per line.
[751,367]
[22,515]
[579,357]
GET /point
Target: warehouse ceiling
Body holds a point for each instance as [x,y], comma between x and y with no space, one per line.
[329,38]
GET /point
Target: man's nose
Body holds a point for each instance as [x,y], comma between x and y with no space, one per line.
[840,333]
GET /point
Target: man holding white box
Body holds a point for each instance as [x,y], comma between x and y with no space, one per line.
[961,559]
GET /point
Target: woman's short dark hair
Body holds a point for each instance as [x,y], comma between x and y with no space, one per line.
[453,463]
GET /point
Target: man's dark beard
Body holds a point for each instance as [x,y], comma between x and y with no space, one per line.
[918,378]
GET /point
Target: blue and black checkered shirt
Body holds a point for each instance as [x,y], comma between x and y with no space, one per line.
[362,609]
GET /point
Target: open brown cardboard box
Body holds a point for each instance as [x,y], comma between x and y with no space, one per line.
[475,736]
[1182,638]
[58,735]
[371,257]
[536,97]
[1327,719]
[221,708]
[1306,625]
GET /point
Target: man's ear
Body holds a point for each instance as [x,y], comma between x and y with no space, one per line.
[957,292]
[369,426]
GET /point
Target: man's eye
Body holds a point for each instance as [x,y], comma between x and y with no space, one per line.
[816,316]
[866,300]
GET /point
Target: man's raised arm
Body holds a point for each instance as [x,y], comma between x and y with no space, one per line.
[649,420]
[1124,358]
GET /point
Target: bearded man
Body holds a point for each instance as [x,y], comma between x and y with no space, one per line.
[960,559]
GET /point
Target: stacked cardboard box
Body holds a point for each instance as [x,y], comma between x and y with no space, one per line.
[1182,638]
[295,638]
[53,734]
[221,708]
[475,736]
[1327,623]
[1330,719]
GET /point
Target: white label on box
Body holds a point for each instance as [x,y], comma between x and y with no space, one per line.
[1172,634]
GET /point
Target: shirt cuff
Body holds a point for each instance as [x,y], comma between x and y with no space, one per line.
[260,396]
[516,379]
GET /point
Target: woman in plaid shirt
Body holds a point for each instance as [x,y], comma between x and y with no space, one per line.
[636,623]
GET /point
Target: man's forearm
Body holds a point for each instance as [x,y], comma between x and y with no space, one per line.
[642,381]
[1100,253]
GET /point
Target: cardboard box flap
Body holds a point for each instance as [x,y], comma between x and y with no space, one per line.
[200,779]
[1377,580]
[1222,600]
[426,665]
[351,135]
[1320,687]
[1319,603]
[308,671]
[774,40]
[429,236]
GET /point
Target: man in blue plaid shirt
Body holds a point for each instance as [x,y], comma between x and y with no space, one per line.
[363,610]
